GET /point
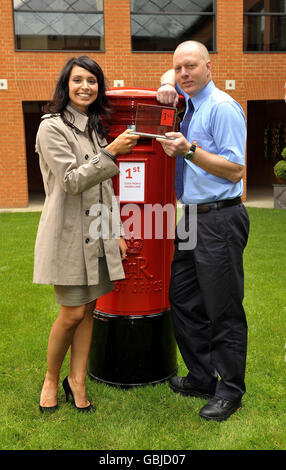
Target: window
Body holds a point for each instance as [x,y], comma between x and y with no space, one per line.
[265,25]
[160,25]
[59,25]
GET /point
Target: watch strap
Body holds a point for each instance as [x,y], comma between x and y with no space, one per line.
[190,153]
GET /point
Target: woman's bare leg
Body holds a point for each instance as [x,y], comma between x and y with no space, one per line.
[80,347]
[60,339]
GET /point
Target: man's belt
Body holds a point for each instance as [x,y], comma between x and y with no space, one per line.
[207,206]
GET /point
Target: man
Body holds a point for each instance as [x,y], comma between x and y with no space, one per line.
[206,286]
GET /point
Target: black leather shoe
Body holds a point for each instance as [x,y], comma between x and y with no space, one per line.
[184,387]
[68,392]
[48,409]
[219,409]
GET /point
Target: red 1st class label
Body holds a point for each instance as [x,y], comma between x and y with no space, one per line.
[130,171]
[167,117]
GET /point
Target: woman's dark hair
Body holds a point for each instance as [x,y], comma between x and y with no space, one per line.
[98,110]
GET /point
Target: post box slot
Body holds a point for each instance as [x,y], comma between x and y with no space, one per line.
[145,141]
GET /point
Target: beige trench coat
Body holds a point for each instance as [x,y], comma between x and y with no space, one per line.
[73,166]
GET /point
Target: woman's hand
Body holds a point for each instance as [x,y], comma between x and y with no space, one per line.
[123,248]
[123,144]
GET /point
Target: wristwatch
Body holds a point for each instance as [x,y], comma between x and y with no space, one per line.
[190,153]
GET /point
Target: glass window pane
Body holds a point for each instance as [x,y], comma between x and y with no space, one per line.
[253,6]
[168,6]
[59,24]
[164,32]
[275,6]
[265,33]
[266,6]
[58,5]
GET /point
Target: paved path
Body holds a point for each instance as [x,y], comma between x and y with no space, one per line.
[260,196]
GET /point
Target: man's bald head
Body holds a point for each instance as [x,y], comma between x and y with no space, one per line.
[194,46]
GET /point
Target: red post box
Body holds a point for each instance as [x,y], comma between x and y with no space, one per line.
[133,341]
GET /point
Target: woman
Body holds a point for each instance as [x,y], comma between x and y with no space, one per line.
[76,165]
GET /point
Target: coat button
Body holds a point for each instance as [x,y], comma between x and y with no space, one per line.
[86,157]
[87,212]
[87,240]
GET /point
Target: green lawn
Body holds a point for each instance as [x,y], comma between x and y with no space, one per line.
[144,418]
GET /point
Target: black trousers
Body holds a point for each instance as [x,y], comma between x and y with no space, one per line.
[206,295]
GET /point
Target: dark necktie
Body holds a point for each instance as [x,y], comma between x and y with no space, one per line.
[179,183]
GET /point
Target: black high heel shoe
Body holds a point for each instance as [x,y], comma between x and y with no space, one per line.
[49,409]
[68,392]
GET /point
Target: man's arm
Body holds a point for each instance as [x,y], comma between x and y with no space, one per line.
[218,166]
[166,93]
[213,164]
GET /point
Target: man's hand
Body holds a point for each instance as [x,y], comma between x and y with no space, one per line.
[167,94]
[177,146]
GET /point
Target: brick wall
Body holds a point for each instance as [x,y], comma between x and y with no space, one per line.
[31,77]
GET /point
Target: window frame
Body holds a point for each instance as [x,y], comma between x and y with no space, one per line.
[260,14]
[100,51]
[211,14]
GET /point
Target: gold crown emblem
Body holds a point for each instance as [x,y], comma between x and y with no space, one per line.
[134,245]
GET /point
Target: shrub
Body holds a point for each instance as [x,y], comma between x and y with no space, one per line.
[280,170]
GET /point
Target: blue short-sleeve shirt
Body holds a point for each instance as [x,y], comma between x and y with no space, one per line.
[218,126]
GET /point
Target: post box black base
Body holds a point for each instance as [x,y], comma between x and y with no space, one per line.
[129,351]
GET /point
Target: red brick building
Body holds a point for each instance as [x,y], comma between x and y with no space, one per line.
[133,41]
